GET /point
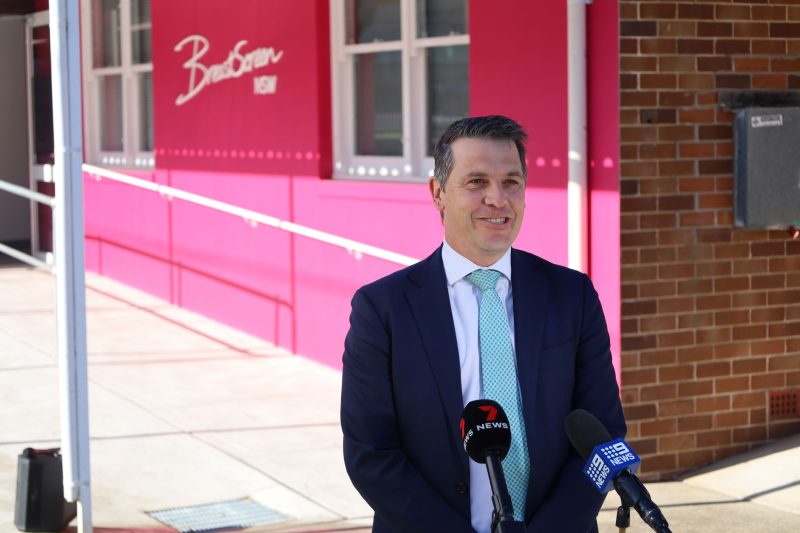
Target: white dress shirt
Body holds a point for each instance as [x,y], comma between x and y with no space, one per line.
[465,301]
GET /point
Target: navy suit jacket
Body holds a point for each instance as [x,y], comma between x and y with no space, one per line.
[402,403]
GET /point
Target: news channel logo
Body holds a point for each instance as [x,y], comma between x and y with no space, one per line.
[607,461]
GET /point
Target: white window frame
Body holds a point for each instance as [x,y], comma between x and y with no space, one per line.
[131,156]
[414,165]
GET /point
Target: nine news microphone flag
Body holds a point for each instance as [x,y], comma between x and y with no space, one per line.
[611,462]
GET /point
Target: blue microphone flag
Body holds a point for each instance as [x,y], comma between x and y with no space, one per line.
[607,461]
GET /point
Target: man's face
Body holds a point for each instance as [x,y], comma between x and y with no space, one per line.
[484,198]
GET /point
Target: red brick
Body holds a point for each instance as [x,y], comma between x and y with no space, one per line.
[725,149]
[768,314]
[758,415]
[730,318]
[750,365]
[657,151]
[675,133]
[767,381]
[639,169]
[697,150]
[679,338]
[696,388]
[696,81]
[715,132]
[657,323]
[784,362]
[695,423]
[768,13]
[638,133]
[710,201]
[785,264]
[789,30]
[638,63]
[657,10]
[644,446]
[731,419]
[722,12]
[642,307]
[638,28]
[676,168]
[752,64]
[673,98]
[658,427]
[732,46]
[749,399]
[717,368]
[732,81]
[639,273]
[769,46]
[769,81]
[695,11]
[703,184]
[657,46]
[641,342]
[656,289]
[781,64]
[781,429]
[677,28]
[750,266]
[675,305]
[674,443]
[638,377]
[717,301]
[714,29]
[767,248]
[640,412]
[659,220]
[710,270]
[675,271]
[749,299]
[768,281]
[658,392]
[658,186]
[675,373]
[695,458]
[695,286]
[676,202]
[741,283]
[750,434]
[630,205]
[731,251]
[679,407]
[693,354]
[677,64]
[637,98]
[713,403]
[731,350]
[741,333]
[657,255]
[713,335]
[734,384]
[714,438]
[783,297]
[725,217]
[658,357]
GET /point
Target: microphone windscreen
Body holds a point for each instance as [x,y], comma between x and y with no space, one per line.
[485,429]
[585,431]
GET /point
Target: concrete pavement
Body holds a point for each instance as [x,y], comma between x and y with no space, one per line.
[185,411]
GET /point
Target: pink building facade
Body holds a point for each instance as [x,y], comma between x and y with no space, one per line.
[255,125]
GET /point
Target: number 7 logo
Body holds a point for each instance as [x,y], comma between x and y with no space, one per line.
[491,412]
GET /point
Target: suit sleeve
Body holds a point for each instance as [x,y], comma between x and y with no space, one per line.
[373,452]
[573,503]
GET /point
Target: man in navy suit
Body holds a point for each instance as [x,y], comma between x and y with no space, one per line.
[412,357]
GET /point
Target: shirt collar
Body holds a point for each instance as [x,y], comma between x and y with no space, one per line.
[456,266]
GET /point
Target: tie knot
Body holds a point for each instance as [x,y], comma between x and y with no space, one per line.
[484,279]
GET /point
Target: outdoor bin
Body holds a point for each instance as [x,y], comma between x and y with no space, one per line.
[40,502]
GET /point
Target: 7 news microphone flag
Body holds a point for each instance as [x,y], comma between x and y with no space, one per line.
[487,437]
[611,462]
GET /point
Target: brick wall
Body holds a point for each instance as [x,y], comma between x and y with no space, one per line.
[710,313]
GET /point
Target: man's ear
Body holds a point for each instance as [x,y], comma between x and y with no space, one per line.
[436,192]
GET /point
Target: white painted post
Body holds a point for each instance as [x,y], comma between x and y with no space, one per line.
[68,237]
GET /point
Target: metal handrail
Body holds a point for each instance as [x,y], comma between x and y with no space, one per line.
[36,197]
[253,217]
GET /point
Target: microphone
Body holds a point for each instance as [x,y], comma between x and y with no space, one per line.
[611,462]
[487,438]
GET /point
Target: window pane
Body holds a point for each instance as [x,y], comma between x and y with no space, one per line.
[106,33]
[368,21]
[146,112]
[436,18]
[110,108]
[379,104]
[448,89]
[140,31]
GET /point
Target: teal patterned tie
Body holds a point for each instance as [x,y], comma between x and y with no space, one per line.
[499,375]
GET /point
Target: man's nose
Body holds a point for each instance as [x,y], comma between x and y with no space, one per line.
[495,195]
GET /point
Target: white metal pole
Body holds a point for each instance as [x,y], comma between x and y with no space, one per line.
[577,202]
[68,237]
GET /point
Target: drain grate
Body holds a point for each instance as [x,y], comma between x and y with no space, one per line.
[220,516]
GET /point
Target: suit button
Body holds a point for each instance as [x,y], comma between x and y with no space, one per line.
[461,487]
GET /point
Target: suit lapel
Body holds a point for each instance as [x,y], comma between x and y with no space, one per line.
[529,290]
[430,304]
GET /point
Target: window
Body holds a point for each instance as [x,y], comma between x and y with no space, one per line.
[119,88]
[400,76]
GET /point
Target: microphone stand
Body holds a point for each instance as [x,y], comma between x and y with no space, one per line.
[632,493]
[503,514]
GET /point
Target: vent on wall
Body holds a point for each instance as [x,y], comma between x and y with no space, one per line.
[784,404]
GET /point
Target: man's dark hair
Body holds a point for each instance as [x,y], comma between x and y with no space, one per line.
[496,127]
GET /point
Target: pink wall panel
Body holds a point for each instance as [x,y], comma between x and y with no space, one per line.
[518,58]
[603,100]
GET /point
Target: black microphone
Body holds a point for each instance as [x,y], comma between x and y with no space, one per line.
[611,461]
[487,438]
